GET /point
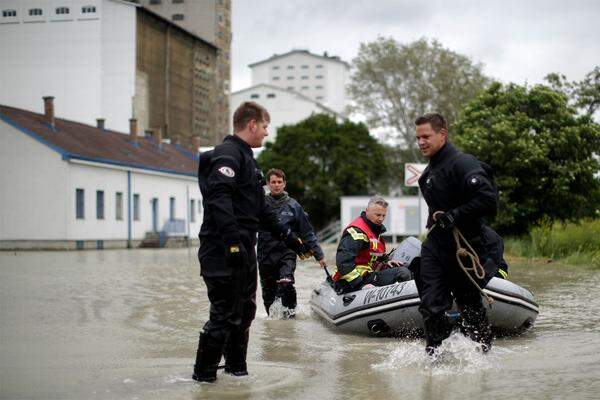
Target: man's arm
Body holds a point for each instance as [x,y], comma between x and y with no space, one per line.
[480,194]
[352,242]
[221,184]
[306,231]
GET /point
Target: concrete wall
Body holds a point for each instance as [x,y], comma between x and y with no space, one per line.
[33,188]
[79,58]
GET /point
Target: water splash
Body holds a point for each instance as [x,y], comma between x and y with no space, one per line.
[456,356]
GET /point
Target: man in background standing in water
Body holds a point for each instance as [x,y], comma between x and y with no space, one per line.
[459,194]
[234,204]
[276,262]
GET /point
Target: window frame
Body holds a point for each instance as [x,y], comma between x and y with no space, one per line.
[79,203]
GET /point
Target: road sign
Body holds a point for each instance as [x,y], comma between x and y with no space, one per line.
[412,173]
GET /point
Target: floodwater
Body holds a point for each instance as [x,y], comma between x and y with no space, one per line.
[124,324]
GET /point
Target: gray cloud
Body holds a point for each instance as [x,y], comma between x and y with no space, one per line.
[518,41]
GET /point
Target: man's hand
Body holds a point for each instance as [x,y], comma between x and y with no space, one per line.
[444,220]
[322,263]
[294,243]
[395,263]
[236,255]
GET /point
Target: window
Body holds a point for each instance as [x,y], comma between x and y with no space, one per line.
[290,67]
[304,88]
[290,78]
[290,88]
[119,206]
[319,97]
[275,66]
[9,13]
[35,11]
[62,10]
[319,76]
[304,67]
[318,66]
[171,208]
[304,77]
[199,206]
[254,96]
[319,87]
[192,210]
[79,204]
[275,78]
[88,9]
[177,17]
[100,204]
[177,1]
[271,95]
[136,207]
[154,2]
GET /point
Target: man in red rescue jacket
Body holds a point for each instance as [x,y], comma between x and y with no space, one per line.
[361,257]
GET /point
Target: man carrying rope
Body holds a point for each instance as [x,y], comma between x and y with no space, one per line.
[459,194]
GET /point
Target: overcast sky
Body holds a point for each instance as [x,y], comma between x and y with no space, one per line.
[516,41]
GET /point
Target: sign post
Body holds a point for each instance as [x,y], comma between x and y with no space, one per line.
[412,173]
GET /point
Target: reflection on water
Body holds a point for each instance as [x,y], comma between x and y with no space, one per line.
[124,325]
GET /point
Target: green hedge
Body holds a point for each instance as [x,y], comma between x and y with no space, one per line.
[573,243]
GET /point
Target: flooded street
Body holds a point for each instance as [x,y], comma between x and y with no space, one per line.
[124,325]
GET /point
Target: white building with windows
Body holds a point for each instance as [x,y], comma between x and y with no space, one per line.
[81,51]
[294,85]
[67,185]
[320,78]
[284,106]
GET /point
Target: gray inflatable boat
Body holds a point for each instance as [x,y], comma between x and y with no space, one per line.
[394,309]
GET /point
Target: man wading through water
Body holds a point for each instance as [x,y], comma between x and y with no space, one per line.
[276,262]
[459,194]
[234,204]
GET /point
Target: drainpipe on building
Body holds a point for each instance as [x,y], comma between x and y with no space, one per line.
[189,214]
[129,216]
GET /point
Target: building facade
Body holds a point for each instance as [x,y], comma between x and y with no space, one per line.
[285,106]
[209,20]
[78,186]
[82,52]
[320,78]
[108,59]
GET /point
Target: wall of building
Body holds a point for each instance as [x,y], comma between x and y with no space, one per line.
[319,78]
[33,199]
[284,107]
[147,185]
[67,56]
[176,75]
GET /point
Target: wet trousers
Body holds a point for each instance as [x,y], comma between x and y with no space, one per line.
[272,268]
[440,281]
[232,295]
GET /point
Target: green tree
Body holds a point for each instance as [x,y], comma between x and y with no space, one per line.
[585,95]
[392,84]
[324,160]
[542,151]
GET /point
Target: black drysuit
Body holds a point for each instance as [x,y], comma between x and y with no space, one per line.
[234,204]
[457,183]
[275,260]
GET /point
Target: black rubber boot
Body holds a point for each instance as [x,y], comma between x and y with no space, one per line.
[476,326]
[207,359]
[437,328]
[236,349]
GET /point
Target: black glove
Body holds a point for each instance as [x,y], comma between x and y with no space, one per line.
[236,256]
[294,243]
[444,220]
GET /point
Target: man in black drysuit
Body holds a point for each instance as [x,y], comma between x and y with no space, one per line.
[459,194]
[276,262]
[234,204]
